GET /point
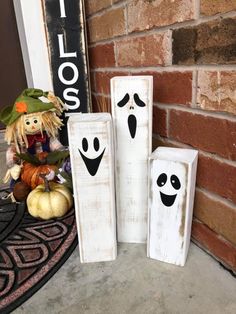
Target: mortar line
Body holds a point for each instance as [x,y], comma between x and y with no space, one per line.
[194,89]
[205,113]
[217,197]
[126,19]
[197,9]
[101,11]
[175,26]
[168,122]
[195,110]
[101,94]
[198,18]
[169,68]
[169,49]
[203,153]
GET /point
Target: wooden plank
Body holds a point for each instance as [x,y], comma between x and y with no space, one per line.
[172,177]
[92,162]
[132,100]
[65,27]
[53,34]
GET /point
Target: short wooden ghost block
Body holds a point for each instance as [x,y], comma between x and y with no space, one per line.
[92,161]
[172,180]
[132,99]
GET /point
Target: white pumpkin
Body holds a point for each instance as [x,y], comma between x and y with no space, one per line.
[49,201]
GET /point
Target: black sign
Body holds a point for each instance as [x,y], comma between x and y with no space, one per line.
[65,26]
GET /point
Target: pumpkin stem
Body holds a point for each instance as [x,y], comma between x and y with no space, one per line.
[46,182]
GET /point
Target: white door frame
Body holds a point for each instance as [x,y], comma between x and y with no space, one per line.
[30,23]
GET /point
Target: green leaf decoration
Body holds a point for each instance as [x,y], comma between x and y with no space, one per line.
[57,157]
[29,158]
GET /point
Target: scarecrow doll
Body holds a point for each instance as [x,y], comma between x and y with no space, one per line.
[32,125]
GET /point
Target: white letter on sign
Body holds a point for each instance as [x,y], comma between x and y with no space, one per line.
[75,76]
[62,8]
[71,98]
[64,54]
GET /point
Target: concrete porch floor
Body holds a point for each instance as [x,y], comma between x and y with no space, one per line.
[135,284]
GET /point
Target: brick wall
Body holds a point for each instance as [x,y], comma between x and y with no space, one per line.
[189,46]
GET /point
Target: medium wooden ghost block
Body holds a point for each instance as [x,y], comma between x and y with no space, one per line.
[92,161]
[132,100]
[172,178]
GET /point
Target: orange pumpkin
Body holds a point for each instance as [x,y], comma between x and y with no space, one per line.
[30,173]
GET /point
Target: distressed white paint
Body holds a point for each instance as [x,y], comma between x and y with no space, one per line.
[132,155]
[30,23]
[94,195]
[172,171]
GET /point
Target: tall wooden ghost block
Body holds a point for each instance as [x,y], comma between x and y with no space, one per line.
[132,100]
[92,162]
[172,178]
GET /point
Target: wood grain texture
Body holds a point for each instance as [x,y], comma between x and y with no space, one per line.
[30,23]
[132,148]
[172,178]
[91,136]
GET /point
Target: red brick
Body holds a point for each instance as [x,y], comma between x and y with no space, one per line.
[102,56]
[209,7]
[214,135]
[213,42]
[107,25]
[143,14]
[92,6]
[158,141]
[101,103]
[213,175]
[139,51]
[217,215]
[102,81]
[221,249]
[159,121]
[171,87]
[216,90]
[217,177]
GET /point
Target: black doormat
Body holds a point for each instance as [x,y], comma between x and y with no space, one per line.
[31,251]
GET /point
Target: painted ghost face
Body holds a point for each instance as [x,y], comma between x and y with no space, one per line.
[32,124]
[132,120]
[169,181]
[168,199]
[92,164]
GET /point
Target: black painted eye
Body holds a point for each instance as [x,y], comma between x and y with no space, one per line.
[123,101]
[96,144]
[35,121]
[85,144]
[27,122]
[162,179]
[138,101]
[175,182]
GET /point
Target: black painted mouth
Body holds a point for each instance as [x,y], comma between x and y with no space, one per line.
[92,165]
[132,123]
[168,200]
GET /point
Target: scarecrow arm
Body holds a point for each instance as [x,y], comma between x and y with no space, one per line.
[55,144]
[11,158]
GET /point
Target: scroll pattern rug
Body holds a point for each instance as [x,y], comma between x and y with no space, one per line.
[31,251]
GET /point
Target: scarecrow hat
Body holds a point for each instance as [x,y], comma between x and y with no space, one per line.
[27,102]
